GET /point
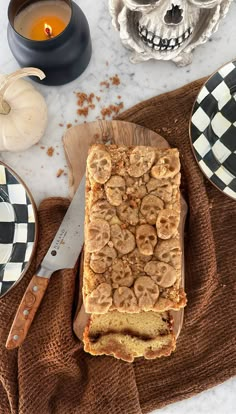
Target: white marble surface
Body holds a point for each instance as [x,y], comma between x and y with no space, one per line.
[139,82]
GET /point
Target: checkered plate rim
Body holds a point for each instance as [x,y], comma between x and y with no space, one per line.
[34,229]
[213,179]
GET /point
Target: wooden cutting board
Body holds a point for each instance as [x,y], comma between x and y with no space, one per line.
[77,141]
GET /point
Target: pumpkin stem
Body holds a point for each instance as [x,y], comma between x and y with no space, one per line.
[10,79]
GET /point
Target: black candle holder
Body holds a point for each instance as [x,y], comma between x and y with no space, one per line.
[62,58]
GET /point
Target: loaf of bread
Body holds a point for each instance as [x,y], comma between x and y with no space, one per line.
[127,335]
[132,260]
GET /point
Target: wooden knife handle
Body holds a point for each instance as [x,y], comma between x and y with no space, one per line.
[26,311]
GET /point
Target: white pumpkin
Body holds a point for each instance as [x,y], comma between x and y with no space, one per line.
[23,111]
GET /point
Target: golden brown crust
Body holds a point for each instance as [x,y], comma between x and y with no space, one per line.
[132,215]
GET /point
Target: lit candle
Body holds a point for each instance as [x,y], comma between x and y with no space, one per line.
[43,20]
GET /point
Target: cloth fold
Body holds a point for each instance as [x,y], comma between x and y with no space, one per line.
[51,373]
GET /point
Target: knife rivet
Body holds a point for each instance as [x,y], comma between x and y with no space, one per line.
[25,312]
[53,253]
[35,288]
[15,337]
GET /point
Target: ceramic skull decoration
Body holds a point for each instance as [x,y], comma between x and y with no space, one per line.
[166,29]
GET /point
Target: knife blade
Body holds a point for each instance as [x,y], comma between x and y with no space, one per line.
[63,253]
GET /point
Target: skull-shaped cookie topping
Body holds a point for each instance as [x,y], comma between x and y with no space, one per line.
[169,251]
[125,300]
[121,274]
[162,273]
[100,300]
[146,291]
[99,165]
[128,213]
[115,190]
[167,223]
[150,207]
[98,235]
[102,260]
[122,239]
[141,160]
[146,239]
[102,210]
[166,167]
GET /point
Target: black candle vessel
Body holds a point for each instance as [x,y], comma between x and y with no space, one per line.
[62,58]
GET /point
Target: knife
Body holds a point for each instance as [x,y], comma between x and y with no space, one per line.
[62,254]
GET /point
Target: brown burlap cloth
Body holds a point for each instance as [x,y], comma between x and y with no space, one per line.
[50,373]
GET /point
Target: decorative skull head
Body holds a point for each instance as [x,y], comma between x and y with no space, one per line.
[166,167]
[141,160]
[146,291]
[167,223]
[122,239]
[125,300]
[102,260]
[121,274]
[98,235]
[100,299]
[99,165]
[162,273]
[102,210]
[146,238]
[169,251]
[150,207]
[115,190]
[166,29]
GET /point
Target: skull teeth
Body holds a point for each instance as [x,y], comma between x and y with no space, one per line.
[157,43]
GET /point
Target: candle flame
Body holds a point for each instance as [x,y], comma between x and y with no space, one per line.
[48,30]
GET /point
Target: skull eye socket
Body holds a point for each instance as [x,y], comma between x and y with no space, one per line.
[141,237]
[103,162]
[94,232]
[152,238]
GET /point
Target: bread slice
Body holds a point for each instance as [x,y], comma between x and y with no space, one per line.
[132,260]
[128,336]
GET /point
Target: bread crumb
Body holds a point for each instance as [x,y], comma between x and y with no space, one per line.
[60,172]
[50,151]
[115,80]
[106,84]
[98,98]
[68,126]
[83,111]
[61,125]
[111,109]
[42,147]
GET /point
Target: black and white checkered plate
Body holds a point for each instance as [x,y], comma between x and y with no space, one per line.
[18,228]
[213,129]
